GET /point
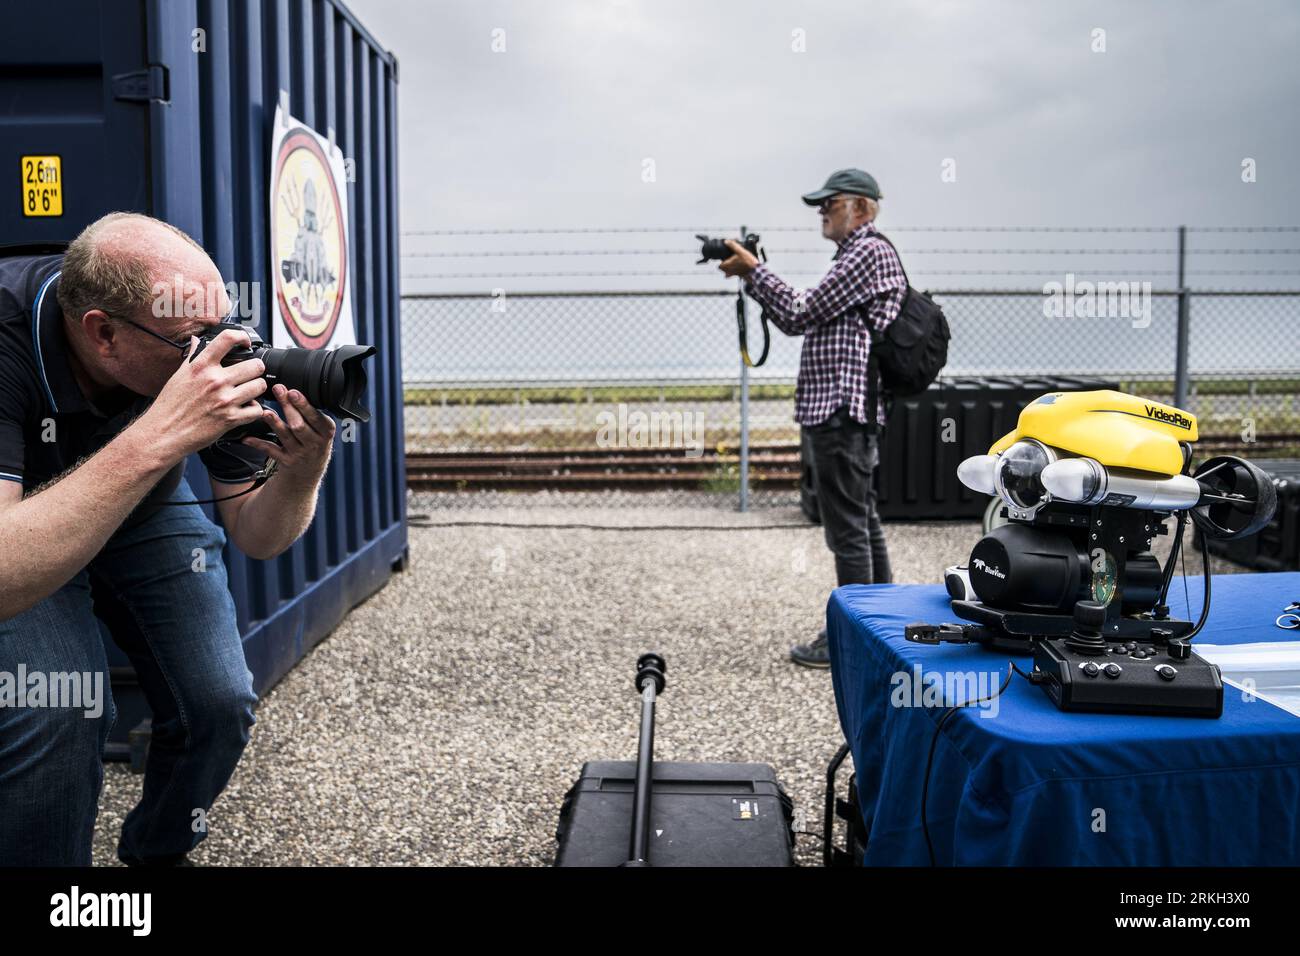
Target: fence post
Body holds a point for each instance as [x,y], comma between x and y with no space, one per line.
[1180,357]
[744,404]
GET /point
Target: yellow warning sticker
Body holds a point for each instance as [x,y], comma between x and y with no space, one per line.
[42,185]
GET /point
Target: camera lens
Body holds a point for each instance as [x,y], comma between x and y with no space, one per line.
[1019,473]
[332,379]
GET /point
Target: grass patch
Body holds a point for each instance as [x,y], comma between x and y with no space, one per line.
[727,392]
[594,394]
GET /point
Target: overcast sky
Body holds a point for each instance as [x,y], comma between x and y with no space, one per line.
[557,129]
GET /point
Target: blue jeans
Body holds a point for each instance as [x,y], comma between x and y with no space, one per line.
[845,455]
[160,588]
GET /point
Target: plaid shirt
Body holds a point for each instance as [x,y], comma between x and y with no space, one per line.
[863,289]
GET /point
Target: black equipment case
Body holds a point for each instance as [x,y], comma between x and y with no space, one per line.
[702,814]
[643,813]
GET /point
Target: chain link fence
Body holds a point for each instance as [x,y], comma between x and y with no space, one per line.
[613,396]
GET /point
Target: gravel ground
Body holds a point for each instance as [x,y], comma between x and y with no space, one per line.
[443,721]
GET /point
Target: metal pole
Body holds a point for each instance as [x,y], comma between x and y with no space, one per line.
[1180,358]
[640,843]
[744,408]
[828,819]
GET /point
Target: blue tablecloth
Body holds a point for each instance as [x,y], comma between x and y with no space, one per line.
[1028,784]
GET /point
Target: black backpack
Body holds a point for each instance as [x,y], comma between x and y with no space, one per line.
[913,349]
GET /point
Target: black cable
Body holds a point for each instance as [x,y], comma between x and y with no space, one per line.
[934,741]
[212,501]
[925,788]
[1205,556]
[1205,602]
[1182,566]
[1167,576]
[1176,550]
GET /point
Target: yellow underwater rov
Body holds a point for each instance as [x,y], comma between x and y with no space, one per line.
[1087,481]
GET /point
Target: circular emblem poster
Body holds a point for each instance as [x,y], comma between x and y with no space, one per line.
[309,240]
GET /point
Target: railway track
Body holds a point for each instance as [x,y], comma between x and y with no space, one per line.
[590,469]
[650,469]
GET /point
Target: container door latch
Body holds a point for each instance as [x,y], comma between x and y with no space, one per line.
[142,86]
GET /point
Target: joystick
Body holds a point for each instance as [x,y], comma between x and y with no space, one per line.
[1089,617]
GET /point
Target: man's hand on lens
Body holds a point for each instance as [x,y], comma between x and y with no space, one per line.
[306,435]
[741,264]
[203,400]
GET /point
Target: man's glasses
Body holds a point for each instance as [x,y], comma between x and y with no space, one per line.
[162,338]
[827,205]
[231,318]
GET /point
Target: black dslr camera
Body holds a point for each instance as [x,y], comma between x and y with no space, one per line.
[716,249]
[334,380]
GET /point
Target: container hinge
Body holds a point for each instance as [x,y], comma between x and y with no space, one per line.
[143,86]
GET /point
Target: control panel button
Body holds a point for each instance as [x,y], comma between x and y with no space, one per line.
[1113,670]
[1167,671]
[1090,668]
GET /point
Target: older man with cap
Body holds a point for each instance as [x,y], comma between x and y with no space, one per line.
[839,409]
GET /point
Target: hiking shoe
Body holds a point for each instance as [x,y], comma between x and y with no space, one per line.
[815,654]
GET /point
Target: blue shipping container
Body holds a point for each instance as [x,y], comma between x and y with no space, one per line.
[166,107]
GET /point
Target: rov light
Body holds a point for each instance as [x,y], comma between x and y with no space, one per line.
[1087,481]
[1017,477]
[976,473]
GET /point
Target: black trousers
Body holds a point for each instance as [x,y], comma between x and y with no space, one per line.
[845,454]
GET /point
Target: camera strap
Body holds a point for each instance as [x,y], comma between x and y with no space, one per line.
[260,477]
[744,334]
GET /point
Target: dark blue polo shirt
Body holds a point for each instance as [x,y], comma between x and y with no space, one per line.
[46,424]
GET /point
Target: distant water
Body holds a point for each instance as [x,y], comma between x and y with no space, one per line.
[688,338]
